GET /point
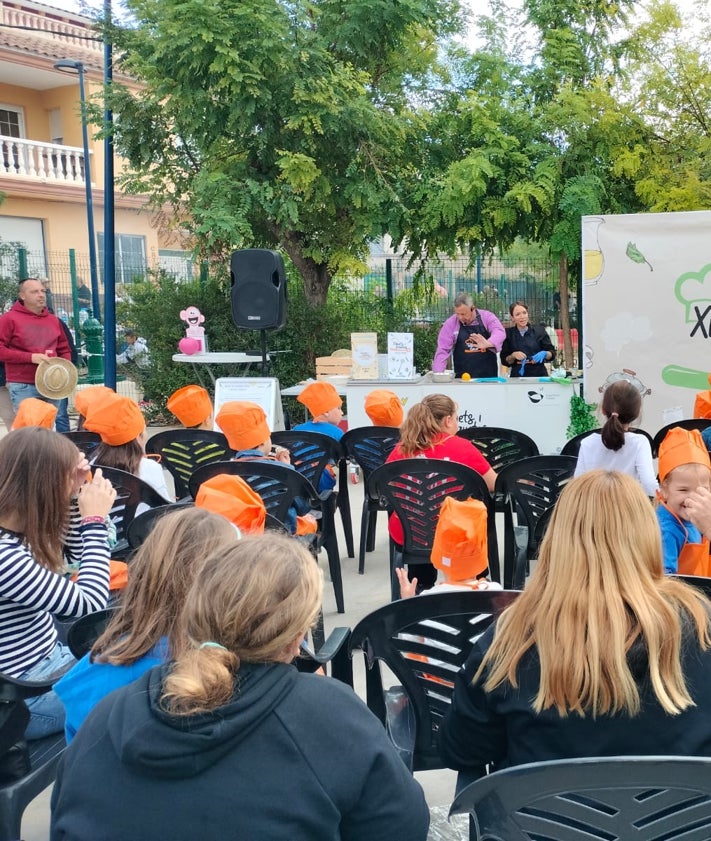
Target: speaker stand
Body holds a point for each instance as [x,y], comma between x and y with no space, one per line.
[265,363]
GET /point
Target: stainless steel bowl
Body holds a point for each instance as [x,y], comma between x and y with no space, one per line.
[443,377]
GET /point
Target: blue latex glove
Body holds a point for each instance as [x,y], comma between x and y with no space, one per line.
[523,365]
[539,357]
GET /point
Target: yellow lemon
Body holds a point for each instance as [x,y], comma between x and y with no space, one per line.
[466,377]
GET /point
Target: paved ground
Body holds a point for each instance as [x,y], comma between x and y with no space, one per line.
[362,593]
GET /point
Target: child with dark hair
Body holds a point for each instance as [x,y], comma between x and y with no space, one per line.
[615,447]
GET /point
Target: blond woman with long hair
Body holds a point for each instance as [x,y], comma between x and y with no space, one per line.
[230,740]
[146,631]
[601,655]
[430,431]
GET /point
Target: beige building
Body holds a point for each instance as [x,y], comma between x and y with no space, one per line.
[42,159]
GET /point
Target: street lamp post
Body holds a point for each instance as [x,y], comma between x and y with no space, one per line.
[68,65]
[109,220]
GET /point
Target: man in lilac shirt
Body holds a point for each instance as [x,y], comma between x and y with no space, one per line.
[474,338]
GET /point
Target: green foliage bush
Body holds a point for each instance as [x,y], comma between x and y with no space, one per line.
[582,416]
[152,307]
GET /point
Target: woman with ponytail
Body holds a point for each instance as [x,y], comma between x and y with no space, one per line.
[615,447]
[230,740]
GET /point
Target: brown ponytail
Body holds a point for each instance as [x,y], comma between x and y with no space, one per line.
[621,404]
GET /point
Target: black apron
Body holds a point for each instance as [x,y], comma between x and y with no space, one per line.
[529,344]
[468,358]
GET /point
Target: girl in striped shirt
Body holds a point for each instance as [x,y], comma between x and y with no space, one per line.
[50,516]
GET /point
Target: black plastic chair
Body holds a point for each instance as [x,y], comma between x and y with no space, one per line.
[85,441]
[368,447]
[278,486]
[423,641]
[41,755]
[86,630]
[130,493]
[531,488]
[310,453]
[698,581]
[182,451]
[141,526]
[415,489]
[590,799]
[687,423]
[500,446]
[572,447]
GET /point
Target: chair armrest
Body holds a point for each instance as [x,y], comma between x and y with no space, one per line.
[334,651]
[13,688]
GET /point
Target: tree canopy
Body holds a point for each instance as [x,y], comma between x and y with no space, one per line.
[276,124]
[317,126]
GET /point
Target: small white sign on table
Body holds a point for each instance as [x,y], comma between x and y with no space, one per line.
[264,391]
[401,365]
[364,350]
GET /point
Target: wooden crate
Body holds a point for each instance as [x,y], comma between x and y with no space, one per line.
[333,366]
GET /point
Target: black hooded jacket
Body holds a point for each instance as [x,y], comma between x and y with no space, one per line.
[292,756]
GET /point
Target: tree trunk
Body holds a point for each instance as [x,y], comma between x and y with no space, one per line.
[315,276]
[564,314]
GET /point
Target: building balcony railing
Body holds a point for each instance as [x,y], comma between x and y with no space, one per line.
[64,31]
[47,162]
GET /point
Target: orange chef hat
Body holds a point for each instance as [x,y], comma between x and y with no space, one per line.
[383,408]
[702,404]
[90,395]
[244,424]
[681,446]
[233,498]
[117,419]
[191,405]
[320,397]
[460,546]
[34,412]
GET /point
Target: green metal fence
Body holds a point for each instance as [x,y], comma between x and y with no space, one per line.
[429,289]
[494,284]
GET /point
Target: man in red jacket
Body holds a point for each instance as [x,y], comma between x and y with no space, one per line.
[29,334]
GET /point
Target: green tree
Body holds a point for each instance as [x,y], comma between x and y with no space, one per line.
[671,73]
[526,147]
[275,124]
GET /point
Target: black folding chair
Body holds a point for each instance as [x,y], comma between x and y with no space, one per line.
[369,447]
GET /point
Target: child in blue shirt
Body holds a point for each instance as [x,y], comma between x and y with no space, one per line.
[684,466]
[324,403]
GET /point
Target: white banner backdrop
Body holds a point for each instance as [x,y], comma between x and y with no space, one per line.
[647,308]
